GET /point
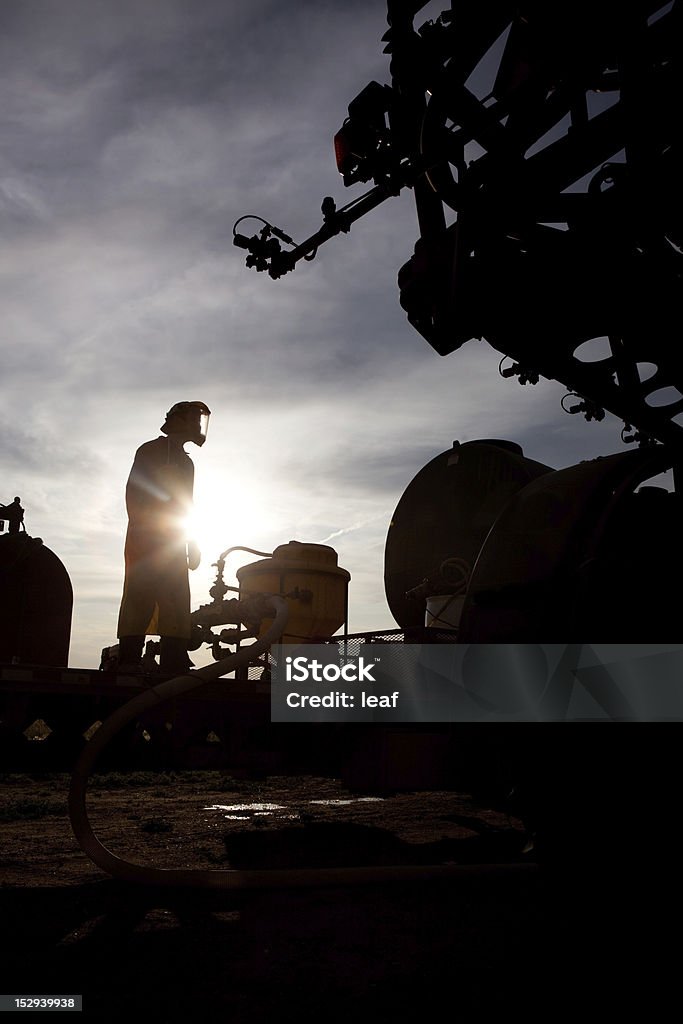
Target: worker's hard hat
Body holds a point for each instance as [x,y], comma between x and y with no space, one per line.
[189,418]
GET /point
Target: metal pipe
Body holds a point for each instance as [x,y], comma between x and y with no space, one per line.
[252,551]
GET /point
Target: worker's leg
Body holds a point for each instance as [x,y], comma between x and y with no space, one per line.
[130,653]
[173,656]
[138,609]
[174,614]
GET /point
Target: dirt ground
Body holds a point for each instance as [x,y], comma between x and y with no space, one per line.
[207,820]
[496,941]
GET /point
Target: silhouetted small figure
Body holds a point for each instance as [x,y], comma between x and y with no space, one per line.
[14,515]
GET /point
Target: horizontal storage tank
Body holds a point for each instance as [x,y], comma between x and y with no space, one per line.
[442,520]
[312,570]
[35,603]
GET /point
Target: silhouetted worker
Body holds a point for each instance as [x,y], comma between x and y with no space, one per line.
[156,590]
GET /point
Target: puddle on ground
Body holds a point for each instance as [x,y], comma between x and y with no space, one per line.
[265,810]
[259,808]
[255,810]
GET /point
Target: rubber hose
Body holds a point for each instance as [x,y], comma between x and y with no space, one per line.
[229,878]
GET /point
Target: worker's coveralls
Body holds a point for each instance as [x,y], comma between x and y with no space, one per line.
[156,590]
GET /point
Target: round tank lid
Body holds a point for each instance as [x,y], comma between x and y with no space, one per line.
[508,446]
[297,551]
[297,557]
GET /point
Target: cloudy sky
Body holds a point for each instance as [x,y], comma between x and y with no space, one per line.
[133,134]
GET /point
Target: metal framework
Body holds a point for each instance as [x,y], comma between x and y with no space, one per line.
[553,133]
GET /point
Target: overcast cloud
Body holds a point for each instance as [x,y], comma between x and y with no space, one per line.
[132,136]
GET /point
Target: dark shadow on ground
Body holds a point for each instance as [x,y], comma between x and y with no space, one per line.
[537,943]
[345,844]
[379,950]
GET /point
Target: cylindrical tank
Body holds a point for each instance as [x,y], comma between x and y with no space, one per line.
[312,570]
[443,517]
[36,599]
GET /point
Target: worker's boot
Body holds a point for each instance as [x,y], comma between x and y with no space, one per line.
[130,655]
[173,656]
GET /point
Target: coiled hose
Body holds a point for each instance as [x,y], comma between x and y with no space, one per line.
[226,879]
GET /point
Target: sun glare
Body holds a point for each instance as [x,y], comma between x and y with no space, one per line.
[224,517]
